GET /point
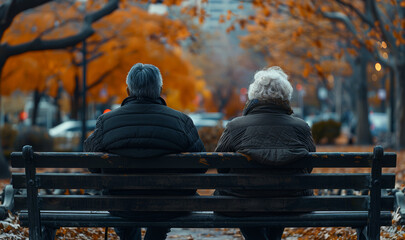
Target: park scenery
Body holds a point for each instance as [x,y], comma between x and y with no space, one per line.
[63,64]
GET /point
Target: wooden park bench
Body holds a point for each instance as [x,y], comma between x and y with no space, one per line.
[366,213]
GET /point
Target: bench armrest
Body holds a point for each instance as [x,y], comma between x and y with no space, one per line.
[8,202]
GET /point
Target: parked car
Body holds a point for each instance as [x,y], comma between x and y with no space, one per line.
[207,119]
[71,128]
[67,134]
[378,126]
[378,123]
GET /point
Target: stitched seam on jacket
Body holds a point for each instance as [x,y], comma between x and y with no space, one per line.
[99,140]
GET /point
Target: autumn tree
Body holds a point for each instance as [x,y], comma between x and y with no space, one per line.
[37,37]
[378,24]
[10,46]
[367,25]
[33,72]
[372,24]
[115,47]
[310,49]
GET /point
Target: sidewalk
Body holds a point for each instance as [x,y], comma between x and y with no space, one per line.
[205,233]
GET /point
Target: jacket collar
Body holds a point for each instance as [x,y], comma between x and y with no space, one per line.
[141,100]
[267,106]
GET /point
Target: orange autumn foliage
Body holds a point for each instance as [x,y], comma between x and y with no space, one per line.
[307,50]
[127,36]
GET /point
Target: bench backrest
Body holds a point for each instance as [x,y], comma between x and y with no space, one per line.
[30,160]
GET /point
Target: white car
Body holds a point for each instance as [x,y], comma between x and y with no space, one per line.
[71,128]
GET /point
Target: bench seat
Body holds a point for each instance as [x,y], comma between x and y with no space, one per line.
[56,219]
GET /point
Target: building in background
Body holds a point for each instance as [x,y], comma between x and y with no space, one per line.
[217,9]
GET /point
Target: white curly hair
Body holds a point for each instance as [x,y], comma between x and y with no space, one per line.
[270,83]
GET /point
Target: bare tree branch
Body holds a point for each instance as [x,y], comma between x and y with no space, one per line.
[86,31]
[11,8]
[357,11]
[338,16]
[39,44]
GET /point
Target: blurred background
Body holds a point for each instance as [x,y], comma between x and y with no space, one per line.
[64,63]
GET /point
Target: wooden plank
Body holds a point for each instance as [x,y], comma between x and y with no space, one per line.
[204,203]
[204,219]
[194,160]
[202,181]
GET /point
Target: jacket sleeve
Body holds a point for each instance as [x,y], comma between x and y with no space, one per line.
[310,144]
[93,142]
[196,145]
[310,141]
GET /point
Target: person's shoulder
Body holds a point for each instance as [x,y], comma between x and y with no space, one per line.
[300,122]
[174,112]
[236,123]
[110,113]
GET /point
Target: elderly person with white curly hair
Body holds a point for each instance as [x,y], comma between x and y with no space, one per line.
[269,134]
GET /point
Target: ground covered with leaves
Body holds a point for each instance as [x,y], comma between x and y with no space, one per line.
[10,228]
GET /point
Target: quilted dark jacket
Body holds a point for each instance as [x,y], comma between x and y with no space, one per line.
[269,134]
[143,129]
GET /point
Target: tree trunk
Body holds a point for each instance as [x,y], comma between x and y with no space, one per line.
[58,119]
[4,168]
[36,100]
[75,100]
[363,125]
[400,107]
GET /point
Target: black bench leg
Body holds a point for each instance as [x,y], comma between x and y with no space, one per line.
[49,233]
[362,233]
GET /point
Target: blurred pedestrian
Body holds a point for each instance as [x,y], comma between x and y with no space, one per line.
[144,127]
[269,134]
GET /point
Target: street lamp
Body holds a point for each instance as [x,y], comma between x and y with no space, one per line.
[378,67]
[84,90]
[84,85]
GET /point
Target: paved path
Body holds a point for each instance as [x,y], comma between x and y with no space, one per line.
[205,233]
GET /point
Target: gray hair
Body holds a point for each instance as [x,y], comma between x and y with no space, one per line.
[145,81]
[271,83]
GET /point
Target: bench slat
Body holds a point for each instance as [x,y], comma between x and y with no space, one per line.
[194,160]
[204,203]
[206,220]
[202,181]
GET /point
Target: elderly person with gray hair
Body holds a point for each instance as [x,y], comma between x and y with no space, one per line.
[269,134]
[144,127]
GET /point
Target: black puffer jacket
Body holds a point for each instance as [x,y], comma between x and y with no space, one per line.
[144,128]
[269,135]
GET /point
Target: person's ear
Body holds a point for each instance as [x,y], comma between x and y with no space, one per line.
[128,92]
